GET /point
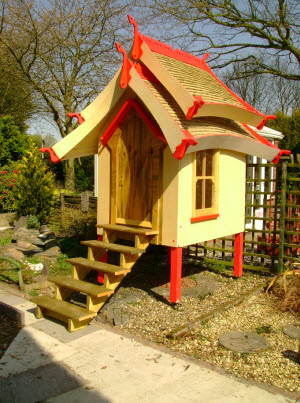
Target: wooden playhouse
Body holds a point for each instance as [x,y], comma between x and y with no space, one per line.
[172,141]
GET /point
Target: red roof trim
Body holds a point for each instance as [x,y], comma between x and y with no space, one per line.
[167,50]
[198,103]
[54,157]
[259,137]
[185,143]
[263,122]
[131,103]
[145,73]
[127,64]
[282,152]
[137,42]
[78,116]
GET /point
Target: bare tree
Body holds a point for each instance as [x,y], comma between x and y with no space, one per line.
[258,32]
[65,50]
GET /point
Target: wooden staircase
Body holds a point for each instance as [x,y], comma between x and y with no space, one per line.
[78,317]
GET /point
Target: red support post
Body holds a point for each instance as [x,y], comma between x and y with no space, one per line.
[238,254]
[104,260]
[175,276]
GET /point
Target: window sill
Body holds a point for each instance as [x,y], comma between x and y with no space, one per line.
[204,218]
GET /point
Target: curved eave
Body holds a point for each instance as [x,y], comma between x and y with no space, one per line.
[83,140]
[239,144]
[195,106]
[233,112]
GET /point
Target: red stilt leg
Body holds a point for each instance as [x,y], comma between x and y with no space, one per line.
[175,280]
[104,260]
[238,254]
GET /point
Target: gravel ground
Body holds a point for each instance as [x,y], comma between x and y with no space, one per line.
[143,302]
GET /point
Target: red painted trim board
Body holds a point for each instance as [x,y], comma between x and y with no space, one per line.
[131,103]
[204,218]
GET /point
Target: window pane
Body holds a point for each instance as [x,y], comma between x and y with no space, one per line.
[209,162]
[199,162]
[209,191]
[199,193]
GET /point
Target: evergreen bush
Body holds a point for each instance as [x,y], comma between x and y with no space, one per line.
[8,179]
[34,189]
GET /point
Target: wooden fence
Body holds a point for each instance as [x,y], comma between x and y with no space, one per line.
[272,220]
[84,201]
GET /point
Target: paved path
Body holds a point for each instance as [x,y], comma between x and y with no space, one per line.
[101,365]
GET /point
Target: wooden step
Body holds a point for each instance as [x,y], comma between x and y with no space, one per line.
[114,247]
[63,308]
[82,286]
[127,229]
[99,266]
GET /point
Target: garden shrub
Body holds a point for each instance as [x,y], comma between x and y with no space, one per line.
[34,189]
[78,224]
[8,179]
[33,222]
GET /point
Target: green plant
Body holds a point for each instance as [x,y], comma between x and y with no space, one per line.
[61,266]
[264,329]
[33,293]
[34,191]
[6,240]
[33,222]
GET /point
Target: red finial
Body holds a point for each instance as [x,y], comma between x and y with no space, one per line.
[125,75]
[137,43]
[78,116]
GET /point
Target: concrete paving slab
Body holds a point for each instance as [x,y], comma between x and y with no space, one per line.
[32,349]
[38,384]
[122,369]
[58,329]
[12,300]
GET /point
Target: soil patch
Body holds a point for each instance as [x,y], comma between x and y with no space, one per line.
[8,331]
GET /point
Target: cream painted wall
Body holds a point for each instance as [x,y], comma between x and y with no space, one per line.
[231,218]
[103,203]
[170,199]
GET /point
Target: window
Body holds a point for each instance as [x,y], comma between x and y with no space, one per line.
[205,185]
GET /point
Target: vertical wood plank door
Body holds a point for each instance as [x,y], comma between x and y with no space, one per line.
[138,154]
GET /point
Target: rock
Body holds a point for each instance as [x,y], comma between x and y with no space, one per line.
[51,252]
[47,236]
[292,330]
[50,243]
[21,223]
[244,342]
[40,278]
[13,254]
[44,228]
[27,248]
[28,235]
[45,270]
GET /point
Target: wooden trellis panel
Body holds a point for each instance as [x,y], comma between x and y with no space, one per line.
[272,219]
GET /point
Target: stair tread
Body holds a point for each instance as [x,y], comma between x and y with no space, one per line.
[63,308]
[127,229]
[114,247]
[99,266]
[83,286]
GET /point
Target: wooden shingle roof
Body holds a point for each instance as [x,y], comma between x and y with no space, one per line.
[191,107]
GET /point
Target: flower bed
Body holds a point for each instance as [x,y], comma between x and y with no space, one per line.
[8,178]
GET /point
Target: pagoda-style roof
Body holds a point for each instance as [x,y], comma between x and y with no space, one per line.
[179,96]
